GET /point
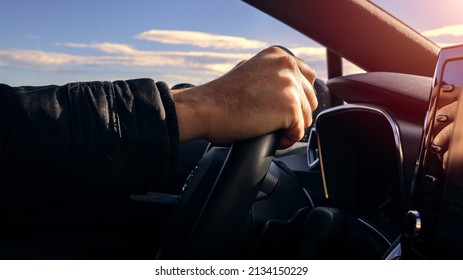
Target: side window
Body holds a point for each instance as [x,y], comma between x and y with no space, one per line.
[315,56]
[349,68]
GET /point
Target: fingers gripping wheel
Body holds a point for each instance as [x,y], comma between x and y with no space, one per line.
[220,228]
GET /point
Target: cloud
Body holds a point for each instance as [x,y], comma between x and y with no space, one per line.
[189,78]
[310,53]
[119,54]
[37,58]
[53,60]
[113,48]
[200,39]
[451,30]
[215,61]
[105,47]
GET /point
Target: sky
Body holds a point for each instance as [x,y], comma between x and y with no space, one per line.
[56,42]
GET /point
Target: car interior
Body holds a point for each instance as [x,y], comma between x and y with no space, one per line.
[376,176]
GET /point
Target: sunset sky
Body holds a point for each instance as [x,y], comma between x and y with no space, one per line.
[49,41]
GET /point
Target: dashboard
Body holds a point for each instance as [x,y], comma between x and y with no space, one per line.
[379,166]
[370,182]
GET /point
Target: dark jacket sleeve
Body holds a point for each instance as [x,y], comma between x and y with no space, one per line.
[63,141]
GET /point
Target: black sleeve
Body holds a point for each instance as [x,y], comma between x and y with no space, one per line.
[62,141]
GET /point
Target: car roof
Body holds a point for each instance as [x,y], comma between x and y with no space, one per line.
[359,31]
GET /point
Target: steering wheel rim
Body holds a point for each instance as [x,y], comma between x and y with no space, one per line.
[222,224]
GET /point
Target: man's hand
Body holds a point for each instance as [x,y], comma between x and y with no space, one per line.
[271,91]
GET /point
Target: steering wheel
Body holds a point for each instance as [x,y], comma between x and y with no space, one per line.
[213,216]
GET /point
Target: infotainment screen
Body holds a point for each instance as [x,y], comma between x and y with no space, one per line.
[435,223]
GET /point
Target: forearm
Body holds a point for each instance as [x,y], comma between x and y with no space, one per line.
[83,137]
[192,113]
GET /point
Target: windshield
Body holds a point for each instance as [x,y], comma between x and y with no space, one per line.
[55,42]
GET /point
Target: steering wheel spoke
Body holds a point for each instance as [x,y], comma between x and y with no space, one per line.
[213,216]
